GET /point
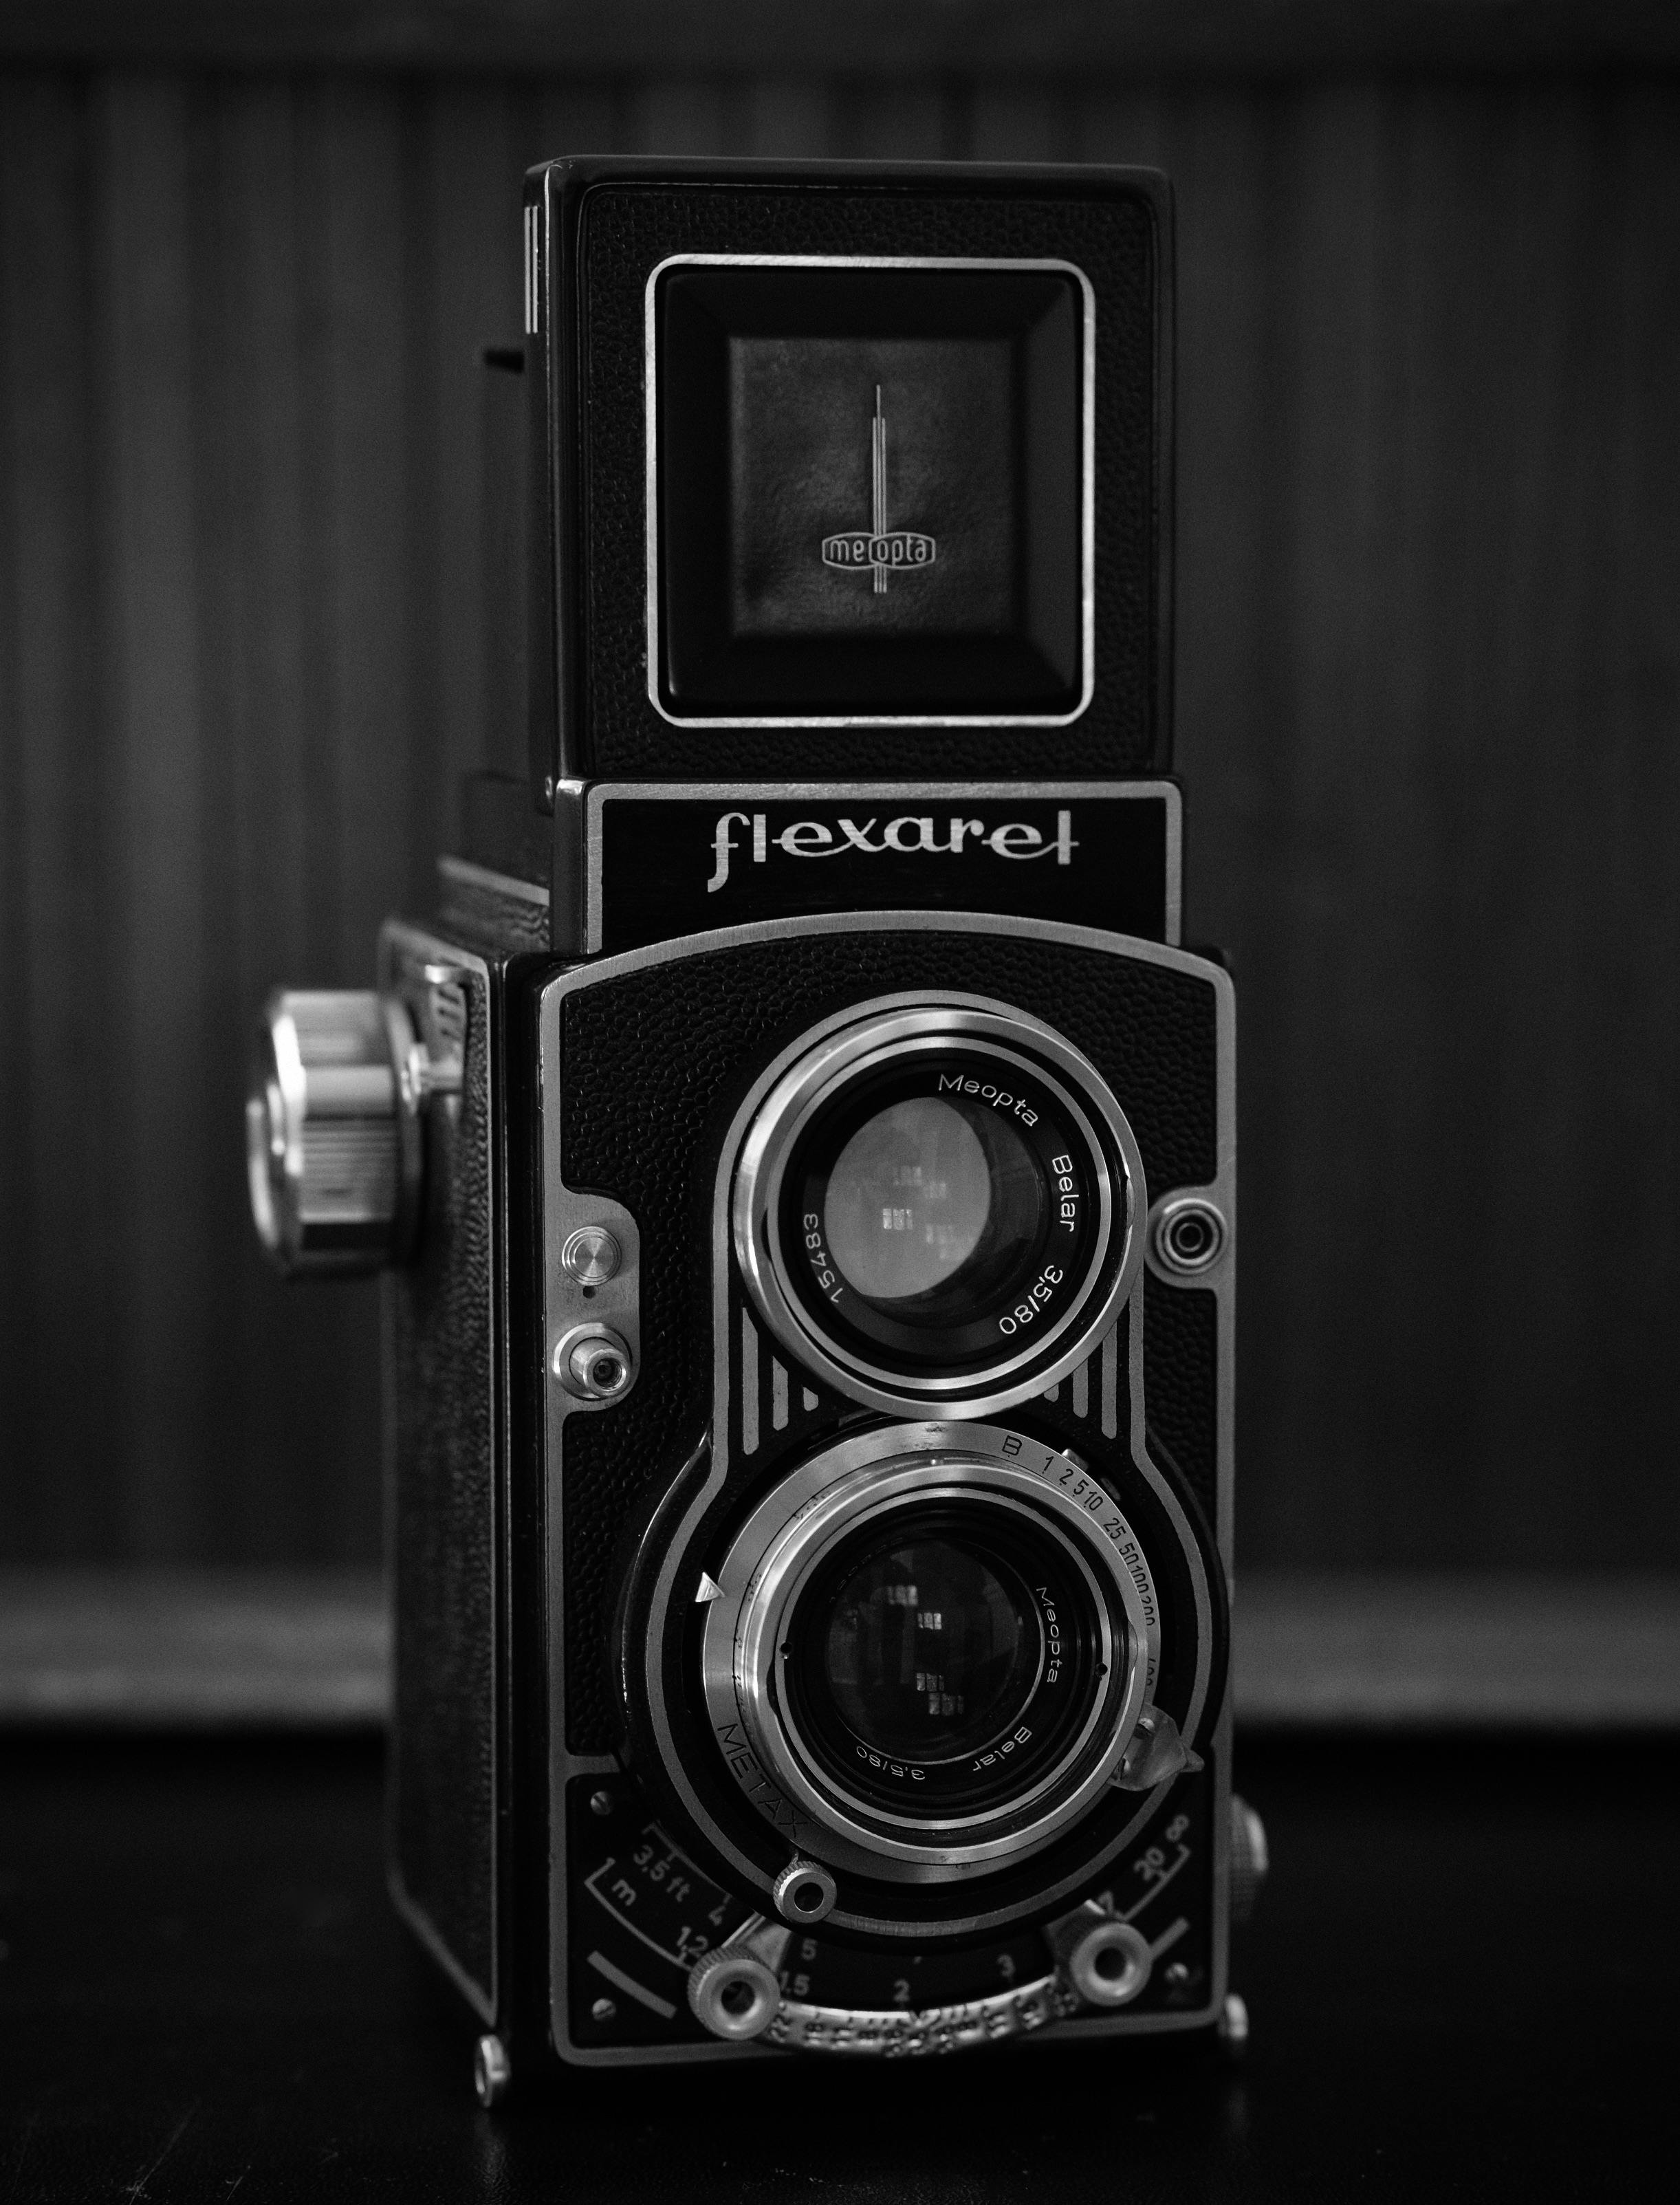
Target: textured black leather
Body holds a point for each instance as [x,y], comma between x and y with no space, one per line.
[628,229]
[440,1434]
[490,917]
[653,1064]
[1180,1382]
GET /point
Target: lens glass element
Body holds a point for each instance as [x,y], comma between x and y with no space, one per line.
[933,1648]
[939,1209]
[908,1199]
[940,1660]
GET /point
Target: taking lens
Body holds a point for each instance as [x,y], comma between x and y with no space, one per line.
[938,1664]
[932,1641]
[933,1648]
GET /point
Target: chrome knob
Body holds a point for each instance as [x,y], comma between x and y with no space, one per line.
[804,1893]
[332,1132]
[733,1994]
[1110,1965]
[1249,1859]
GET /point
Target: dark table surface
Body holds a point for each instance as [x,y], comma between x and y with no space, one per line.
[1460,1984]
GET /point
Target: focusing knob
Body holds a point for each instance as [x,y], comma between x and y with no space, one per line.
[332,1132]
[1248,1860]
[733,1994]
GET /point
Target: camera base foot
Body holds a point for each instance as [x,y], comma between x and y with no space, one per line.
[491,2073]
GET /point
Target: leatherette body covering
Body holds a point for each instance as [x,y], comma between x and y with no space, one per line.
[443,1402]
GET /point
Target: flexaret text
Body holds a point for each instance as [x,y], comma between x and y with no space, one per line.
[957,836]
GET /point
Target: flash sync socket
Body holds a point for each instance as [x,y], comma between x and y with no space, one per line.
[936,1206]
[593,1362]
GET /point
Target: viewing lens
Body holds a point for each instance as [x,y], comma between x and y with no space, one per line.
[942,1206]
[908,1199]
[935,1211]
[932,1649]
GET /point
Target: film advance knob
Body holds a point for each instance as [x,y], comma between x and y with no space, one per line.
[332,1132]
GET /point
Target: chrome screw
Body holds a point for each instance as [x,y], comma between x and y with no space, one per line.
[603,2010]
[600,1803]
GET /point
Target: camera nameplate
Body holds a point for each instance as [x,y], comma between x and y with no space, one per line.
[659,860]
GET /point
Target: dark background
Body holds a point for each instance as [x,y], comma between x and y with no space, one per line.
[1428,666]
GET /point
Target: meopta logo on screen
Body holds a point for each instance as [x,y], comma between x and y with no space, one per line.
[745,837]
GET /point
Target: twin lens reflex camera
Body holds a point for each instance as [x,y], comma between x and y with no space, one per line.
[801,1158]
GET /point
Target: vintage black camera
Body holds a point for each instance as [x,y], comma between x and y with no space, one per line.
[803,1159]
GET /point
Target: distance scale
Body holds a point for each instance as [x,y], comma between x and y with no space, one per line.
[644,1913]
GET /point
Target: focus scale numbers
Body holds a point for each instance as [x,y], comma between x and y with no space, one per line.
[639,1920]
[1162,1867]
[648,1914]
[835,1975]
[1155,1866]
[661,1899]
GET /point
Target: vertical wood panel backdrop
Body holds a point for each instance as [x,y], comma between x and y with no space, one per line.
[1428,656]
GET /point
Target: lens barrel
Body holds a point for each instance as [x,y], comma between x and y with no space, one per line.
[934,1643]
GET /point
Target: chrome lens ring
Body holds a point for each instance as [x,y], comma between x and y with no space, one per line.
[1030,1356]
[785,1540]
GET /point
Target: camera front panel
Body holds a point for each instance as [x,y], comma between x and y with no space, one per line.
[758,1549]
